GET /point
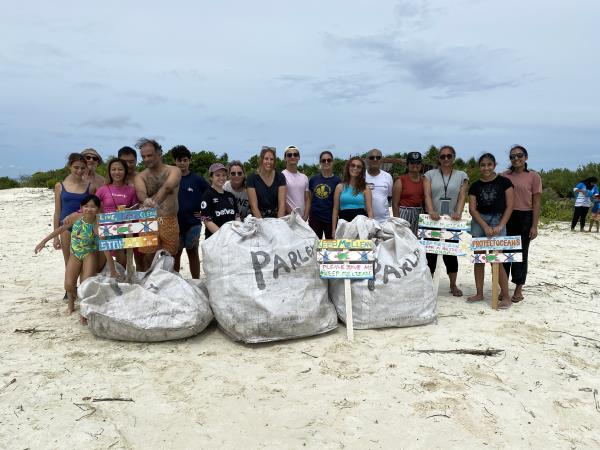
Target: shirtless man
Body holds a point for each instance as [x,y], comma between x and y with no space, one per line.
[93,160]
[157,186]
[129,155]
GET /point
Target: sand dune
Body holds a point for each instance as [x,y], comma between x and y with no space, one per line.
[321,392]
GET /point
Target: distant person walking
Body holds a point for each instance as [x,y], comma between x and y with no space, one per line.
[352,197]
[584,191]
[297,194]
[93,160]
[380,182]
[237,186]
[322,187]
[191,190]
[267,187]
[445,193]
[526,213]
[157,186]
[408,195]
[490,205]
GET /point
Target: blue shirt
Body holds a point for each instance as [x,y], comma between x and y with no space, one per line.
[350,201]
[322,189]
[191,190]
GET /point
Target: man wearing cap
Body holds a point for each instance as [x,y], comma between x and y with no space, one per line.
[218,205]
[297,195]
[380,182]
[408,195]
[93,160]
[157,186]
[191,190]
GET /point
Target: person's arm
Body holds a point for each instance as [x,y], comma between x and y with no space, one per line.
[141,192]
[281,192]
[57,211]
[396,194]
[428,199]
[460,203]
[537,206]
[368,202]
[53,235]
[253,200]
[336,208]
[211,226]
[477,217]
[169,186]
[509,195]
[307,202]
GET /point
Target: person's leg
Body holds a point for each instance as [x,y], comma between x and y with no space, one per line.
[504,292]
[194,258]
[519,269]
[327,230]
[316,225]
[512,229]
[584,211]
[431,261]
[121,257]
[71,273]
[575,217]
[65,245]
[138,258]
[451,263]
[90,265]
[479,272]
[177,263]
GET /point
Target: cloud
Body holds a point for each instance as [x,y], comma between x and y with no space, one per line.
[149,99]
[116,122]
[90,85]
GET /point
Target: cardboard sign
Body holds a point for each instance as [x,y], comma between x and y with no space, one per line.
[439,234]
[129,228]
[147,240]
[354,271]
[496,243]
[349,244]
[445,248]
[496,258]
[445,222]
[125,216]
[325,256]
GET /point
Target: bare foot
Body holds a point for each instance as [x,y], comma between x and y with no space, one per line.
[475,298]
[68,311]
[505,304]
[454,290]
[82,320]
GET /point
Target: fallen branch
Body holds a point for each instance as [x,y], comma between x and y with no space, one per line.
[108,399]
[465,351]
[545,283]
[574,335]
[85,407]
[587,310]
[308,354]
[596,400]
[29,330]
[438,415]
[14,380]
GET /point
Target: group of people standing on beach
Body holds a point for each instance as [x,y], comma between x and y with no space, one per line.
[499,204]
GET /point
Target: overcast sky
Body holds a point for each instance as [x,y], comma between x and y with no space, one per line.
[346,75]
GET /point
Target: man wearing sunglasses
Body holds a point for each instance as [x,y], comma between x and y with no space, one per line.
[320,204]
[93,160]
[381,183]
[297,194]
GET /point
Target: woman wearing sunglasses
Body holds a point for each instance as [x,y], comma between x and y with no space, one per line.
[445,194]
[322,187]
[352,197]
[526,213]
[93,160]
[237,186]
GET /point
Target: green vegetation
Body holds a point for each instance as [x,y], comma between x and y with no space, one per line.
[557,203]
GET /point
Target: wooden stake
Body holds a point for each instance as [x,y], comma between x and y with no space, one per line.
[349,320]
[495,285]
[130,269]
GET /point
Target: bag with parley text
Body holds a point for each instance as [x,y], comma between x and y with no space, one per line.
[263,280]
[401,294]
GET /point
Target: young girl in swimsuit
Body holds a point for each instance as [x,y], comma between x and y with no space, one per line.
[83,257]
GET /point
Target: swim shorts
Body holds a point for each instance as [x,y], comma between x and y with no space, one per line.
[168,236]
[190,238]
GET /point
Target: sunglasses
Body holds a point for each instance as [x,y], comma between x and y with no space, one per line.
[446,156]
[292,154]
[356,166]
[375,158]
[326,160]
[92,158]
[516,156]
[236,174]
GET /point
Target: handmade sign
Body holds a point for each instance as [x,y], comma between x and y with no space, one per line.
[117,231]
[348,259]
[495,244]
[441,230]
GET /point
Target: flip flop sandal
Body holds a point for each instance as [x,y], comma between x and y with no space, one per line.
[456,292]
[517,298]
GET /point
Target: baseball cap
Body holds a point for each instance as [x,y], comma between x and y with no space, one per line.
[414,157]
[214,167]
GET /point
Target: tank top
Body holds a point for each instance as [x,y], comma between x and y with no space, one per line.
[350,201]
[70,202]
[412,192]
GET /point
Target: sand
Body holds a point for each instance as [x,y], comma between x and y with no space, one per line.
[321,392]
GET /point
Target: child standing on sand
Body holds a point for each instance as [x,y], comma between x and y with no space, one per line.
[595,212]
[83,258]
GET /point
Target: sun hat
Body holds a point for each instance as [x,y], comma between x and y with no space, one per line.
[91,151]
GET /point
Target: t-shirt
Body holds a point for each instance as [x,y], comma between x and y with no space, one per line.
[526,184]
[241,198]
[322,190]
[113,196]
[296,186]
[585,199]
[381,189]
[218,208]
[412,192]
[595,205]
[266,195]
[191,189]
[453,183]
[491,195]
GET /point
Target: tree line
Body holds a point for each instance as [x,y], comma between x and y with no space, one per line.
[556,198]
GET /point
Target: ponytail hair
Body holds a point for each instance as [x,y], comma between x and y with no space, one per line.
[524,150]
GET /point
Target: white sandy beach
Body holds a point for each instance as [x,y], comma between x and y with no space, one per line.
[320,392]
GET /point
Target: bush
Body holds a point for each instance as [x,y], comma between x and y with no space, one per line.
[554,208]
[8,183]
